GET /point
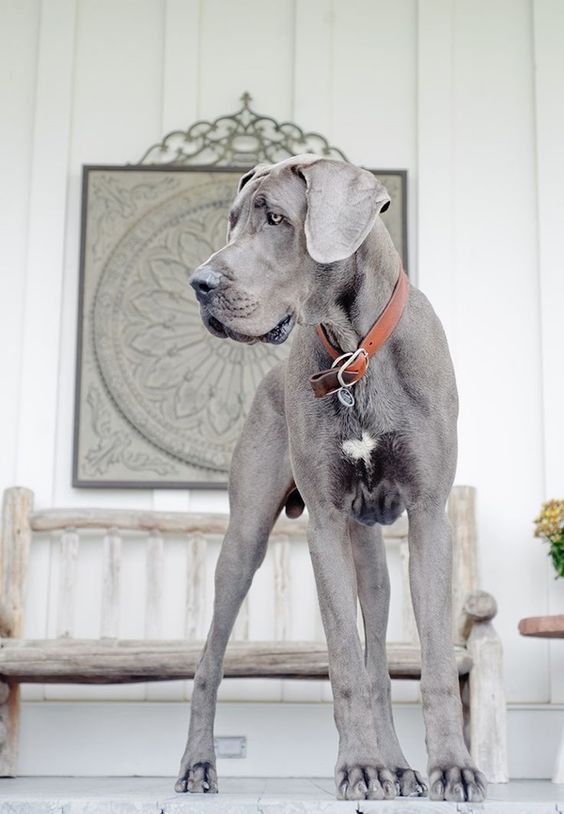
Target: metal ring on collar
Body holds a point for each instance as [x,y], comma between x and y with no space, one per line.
[350,359]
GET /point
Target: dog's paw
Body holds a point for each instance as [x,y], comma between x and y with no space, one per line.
[365,783]
[410,783]
[197,778]
[457,784]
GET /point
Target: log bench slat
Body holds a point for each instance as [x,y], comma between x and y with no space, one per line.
[167,522]
[114,661]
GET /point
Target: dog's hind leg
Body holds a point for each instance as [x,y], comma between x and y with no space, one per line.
[260,479]
[373,585]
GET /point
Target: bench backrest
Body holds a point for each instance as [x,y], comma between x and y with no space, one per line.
[286,582]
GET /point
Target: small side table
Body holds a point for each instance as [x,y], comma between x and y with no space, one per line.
[547,627]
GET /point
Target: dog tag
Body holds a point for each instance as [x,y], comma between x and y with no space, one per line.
[346,397]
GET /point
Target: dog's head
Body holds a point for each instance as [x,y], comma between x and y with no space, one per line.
[289,221]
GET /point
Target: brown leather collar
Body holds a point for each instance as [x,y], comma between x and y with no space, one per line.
[354,365]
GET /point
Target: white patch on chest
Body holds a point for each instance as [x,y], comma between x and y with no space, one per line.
[360,450]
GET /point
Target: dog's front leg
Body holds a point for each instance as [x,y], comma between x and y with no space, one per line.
[239,558]
[373,585]
[260,478]
[359,772]
[452,774]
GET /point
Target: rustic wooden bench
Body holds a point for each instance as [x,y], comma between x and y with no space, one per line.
[109,659]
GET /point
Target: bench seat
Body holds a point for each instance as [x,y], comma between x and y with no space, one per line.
[115,661]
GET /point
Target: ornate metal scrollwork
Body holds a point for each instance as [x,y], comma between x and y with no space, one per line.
[242,139]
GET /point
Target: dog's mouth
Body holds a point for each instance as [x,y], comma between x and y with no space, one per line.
[276,336]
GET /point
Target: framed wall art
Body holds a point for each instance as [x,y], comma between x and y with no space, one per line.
[160,402]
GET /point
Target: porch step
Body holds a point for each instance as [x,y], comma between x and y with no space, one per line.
[136,795]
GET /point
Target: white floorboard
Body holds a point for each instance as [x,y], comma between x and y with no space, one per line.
[135,795]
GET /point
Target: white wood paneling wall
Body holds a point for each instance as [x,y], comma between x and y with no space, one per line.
[19,34]
[466,95]
[497,312]
[548,33]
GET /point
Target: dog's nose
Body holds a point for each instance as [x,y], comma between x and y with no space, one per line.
[204,282]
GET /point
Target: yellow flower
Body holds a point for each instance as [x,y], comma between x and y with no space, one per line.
[550,522]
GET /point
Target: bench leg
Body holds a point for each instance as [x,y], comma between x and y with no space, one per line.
[9,726]
[464,685]
[15,539]
[488,719]
[558,776]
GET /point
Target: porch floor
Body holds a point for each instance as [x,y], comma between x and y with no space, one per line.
[146,795]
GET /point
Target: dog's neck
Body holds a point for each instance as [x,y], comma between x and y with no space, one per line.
[369,277]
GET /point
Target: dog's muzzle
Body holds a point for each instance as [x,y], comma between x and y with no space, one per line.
[205,281]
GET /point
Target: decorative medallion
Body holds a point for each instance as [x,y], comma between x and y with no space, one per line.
[184,390]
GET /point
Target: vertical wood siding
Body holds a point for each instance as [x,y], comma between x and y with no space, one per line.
[466,96]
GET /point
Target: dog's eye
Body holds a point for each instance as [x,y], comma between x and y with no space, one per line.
[273,218]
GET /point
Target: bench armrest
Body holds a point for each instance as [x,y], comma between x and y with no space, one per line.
[479,606]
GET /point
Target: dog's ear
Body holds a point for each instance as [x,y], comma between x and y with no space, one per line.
[342,204]
[260,169]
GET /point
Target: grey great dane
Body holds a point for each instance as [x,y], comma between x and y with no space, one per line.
[306,247]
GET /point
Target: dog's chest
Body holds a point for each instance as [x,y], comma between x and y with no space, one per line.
[361,452]
[359,447]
